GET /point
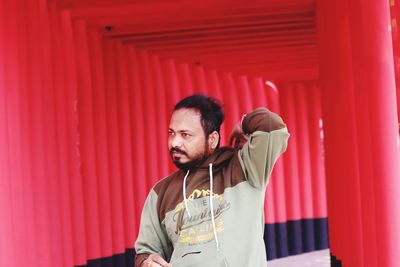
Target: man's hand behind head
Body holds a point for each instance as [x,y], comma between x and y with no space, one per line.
[155,260]
[237,137]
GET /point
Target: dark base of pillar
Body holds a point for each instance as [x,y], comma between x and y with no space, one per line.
[281,240]
[118,260]
[335,262]
[295,237]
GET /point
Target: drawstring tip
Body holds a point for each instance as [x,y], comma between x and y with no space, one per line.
[184,193]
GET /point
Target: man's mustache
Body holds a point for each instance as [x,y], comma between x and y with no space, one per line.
[174,149]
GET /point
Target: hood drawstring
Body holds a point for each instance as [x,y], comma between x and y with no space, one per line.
[184,193]
[211,201]
[211,205]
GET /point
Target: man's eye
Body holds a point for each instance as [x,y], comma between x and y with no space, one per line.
[185,135]
[170,133]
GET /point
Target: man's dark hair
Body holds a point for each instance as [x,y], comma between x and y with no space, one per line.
[212,114]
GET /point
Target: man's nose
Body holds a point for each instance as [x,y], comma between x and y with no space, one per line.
[176,141]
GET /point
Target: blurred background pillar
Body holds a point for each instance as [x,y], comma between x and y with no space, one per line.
[361,131]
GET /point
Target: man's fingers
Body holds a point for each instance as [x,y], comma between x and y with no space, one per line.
[150,263]
[231,140]
[237,142]
[235,133]
[158,260]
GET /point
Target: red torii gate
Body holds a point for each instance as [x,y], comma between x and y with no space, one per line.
[83,84]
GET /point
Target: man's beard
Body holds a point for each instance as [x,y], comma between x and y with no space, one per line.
[194,163]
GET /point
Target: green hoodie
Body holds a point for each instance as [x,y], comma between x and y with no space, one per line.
[214,215]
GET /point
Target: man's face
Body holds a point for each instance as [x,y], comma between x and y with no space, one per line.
[186,139]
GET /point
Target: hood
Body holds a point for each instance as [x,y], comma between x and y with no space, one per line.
[219,159]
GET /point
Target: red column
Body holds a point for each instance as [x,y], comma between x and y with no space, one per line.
[395,15]
[292,183]
[87,143]
[360,119]
[337,98]
[75,197]
[140,181]
[125,144]
[378,125]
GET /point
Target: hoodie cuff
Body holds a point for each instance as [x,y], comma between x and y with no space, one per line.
[261,119]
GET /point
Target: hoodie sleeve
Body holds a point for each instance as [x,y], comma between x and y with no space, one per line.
[268,138]
[152,238]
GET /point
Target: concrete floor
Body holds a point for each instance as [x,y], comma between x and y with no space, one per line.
[319,258]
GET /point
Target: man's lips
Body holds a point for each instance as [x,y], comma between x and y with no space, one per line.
[177,153]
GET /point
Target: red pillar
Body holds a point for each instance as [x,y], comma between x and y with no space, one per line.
[375,84]
[361,131]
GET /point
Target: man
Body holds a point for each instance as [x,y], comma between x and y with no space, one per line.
[210,211]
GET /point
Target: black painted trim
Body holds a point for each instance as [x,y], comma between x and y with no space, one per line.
[295,237]
[117,260]
[335,262]
[281,240]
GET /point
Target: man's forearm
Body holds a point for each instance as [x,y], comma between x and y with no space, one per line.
[262,119]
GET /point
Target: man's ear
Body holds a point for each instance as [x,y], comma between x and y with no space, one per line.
[213,139]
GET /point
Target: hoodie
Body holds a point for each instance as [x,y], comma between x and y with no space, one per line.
[214,215]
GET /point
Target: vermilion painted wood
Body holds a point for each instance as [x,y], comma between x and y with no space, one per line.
[113,140]
[214,86]
[278,177]
[87,112]
[17,61]
[293,199]
[185,79]
[125,144]
[7,243]
[395,15]
[87,142]
[171,85]
[101,132]
[202,21]
[303,156]
[229,91]
[9,55]
[378,133]
[304,163]
[287,4]
[207,39]
[61,102]
[197,72]
[366,80]
[170,80]
[37,48]
[154,118]
[75,182]
[262,51]
[239,20]
[140,182]
[341,168]
[188,11]
[315,124]
[270,197]
[49,71]
[162,115]
[150,115]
